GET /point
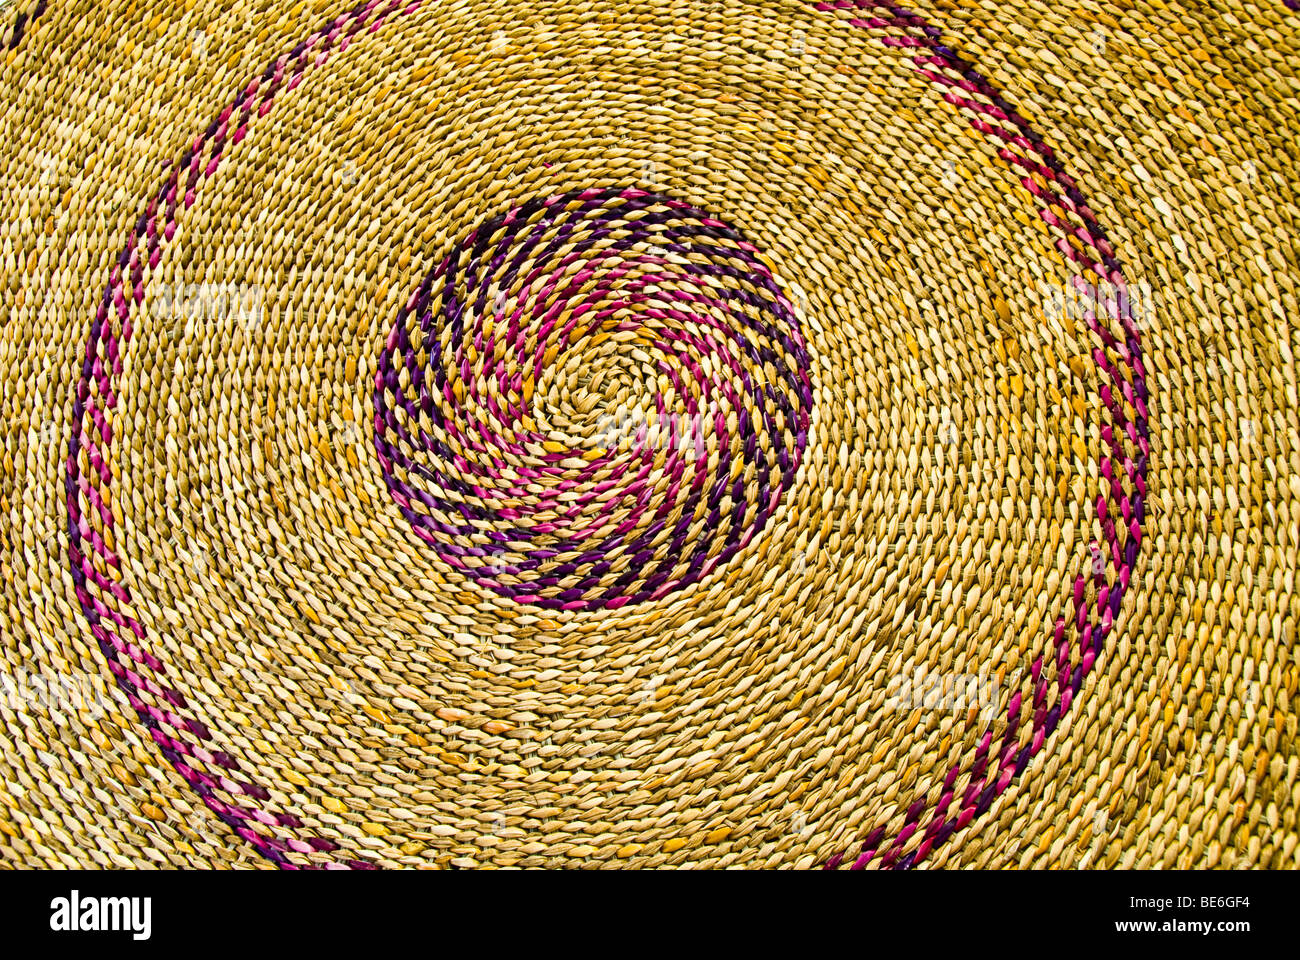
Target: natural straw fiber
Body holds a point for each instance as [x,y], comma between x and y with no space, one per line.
[748,433]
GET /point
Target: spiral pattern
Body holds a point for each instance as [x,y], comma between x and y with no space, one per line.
[596,398]
[593,400]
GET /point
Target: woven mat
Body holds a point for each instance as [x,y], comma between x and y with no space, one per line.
[752,433]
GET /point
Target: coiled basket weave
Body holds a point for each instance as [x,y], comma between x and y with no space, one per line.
[746,433]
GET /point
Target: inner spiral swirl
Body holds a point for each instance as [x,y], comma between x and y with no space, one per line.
[593,400]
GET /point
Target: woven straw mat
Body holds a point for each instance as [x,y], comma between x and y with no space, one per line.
[746,433]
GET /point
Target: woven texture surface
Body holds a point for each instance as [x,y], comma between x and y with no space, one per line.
[757,433]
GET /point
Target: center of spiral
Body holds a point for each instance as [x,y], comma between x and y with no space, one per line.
[592,382]
[595,399]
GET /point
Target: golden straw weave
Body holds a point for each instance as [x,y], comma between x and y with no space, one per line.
[734,433]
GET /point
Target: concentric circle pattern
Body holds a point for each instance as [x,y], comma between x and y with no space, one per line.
[594,400]
[814,433]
